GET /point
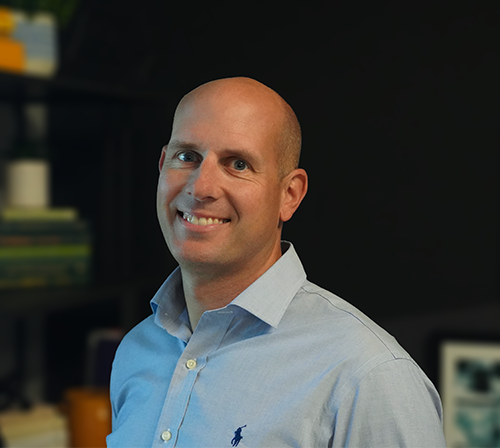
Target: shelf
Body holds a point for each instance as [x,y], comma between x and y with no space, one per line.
[22,301]
[33,88]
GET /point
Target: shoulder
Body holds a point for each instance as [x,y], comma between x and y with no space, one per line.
[380,391]
[345,324]
[351,343]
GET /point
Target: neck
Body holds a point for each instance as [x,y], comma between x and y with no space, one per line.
[205,290]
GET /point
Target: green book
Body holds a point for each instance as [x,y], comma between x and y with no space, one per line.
[44,271]
[39,214]
[25,252]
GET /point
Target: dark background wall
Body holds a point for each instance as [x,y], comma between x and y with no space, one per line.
[399,108]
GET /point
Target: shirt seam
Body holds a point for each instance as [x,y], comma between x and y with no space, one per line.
[394,355]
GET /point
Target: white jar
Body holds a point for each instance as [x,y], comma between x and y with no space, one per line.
[28,183]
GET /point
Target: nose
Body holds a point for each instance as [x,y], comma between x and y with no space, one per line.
[204,181]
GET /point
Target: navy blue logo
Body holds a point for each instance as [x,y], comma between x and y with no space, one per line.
[237,436]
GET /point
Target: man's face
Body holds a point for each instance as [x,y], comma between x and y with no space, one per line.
[219,195]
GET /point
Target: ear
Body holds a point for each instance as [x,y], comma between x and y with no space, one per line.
[162,157]
[294,190]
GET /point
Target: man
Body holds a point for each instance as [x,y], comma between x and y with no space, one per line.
[241,349]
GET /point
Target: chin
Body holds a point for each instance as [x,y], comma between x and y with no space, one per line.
[193,255]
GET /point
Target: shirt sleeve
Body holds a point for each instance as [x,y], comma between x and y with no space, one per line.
[393,405]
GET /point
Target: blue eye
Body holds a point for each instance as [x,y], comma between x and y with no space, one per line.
[187,156]
[239,165]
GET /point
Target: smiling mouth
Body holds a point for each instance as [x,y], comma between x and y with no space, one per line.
[203,221]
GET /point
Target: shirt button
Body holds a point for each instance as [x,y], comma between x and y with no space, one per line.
[191,364]
[166,436]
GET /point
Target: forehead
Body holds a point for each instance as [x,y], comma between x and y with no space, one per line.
[227,118]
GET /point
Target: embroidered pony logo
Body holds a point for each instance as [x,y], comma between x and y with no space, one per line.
[237,436]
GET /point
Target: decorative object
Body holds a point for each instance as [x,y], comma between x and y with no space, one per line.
[38,35]
[470,389]
[28,183]
[28,170]
[29,34]
[11,51]
[89,416]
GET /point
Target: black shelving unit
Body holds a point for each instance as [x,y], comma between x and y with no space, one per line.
[104,143]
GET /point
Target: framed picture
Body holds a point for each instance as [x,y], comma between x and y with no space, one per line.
[469,383]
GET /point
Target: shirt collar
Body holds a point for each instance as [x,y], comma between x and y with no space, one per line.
[267,298]
[169,307]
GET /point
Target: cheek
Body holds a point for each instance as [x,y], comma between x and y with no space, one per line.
[260,205]
[161,192]
[165,194]
[169,185]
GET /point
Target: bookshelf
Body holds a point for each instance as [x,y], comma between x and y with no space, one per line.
[104,142]
[111,196]
[16,87]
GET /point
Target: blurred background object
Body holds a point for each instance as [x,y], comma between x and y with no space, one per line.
[42,426]
[12,56]
[89,417]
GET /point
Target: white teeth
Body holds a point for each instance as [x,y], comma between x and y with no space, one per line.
[190,218]
[202,221]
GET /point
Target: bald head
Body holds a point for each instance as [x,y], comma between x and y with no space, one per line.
[280,117]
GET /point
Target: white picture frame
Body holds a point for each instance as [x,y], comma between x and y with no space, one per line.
[469,383]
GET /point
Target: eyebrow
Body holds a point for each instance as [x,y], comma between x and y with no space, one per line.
[179,144]
[233,152]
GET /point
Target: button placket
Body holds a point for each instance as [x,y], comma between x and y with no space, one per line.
[185,376]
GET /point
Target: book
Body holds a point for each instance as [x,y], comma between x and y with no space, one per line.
[14,240]
[33,227]
[44,253]
[44,273]
[39,214]
[37,252]
[44,266]
[33,282]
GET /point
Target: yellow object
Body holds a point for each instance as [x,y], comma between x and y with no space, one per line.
[11,55]
[89,416]
[11,52]
[6,22]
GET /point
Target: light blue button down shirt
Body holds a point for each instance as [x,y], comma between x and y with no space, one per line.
[286,364]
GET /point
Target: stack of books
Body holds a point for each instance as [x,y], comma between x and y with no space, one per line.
[43,248]
[42,426]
